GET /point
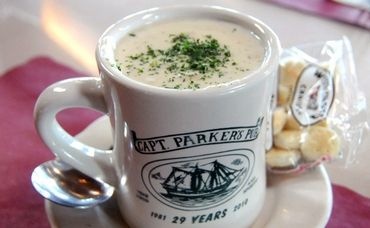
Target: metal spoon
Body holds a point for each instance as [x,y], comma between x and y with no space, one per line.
[64,185]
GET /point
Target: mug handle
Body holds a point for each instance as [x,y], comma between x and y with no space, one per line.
[84,92]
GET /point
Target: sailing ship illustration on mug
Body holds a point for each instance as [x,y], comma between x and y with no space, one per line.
[203,181]
[200,182]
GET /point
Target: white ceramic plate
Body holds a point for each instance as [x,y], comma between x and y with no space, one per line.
[291,201]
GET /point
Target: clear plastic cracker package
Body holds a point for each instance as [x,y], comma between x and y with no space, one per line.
[320,112]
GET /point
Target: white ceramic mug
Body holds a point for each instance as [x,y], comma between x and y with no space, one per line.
[181,158]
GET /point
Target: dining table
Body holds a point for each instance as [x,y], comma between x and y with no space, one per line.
[45,41]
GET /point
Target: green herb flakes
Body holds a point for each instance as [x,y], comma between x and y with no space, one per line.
[186,57]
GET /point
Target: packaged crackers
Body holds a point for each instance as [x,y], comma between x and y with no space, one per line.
[314,121]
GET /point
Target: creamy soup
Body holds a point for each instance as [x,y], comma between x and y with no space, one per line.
[189,54]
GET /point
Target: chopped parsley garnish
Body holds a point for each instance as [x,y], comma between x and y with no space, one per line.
[202,56]
[186,57]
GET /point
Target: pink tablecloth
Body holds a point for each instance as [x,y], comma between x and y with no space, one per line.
[329,9]
[22,150]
